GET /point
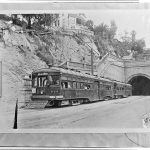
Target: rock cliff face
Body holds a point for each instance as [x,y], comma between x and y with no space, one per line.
[21,53]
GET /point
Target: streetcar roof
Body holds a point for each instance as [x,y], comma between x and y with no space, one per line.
[72,72]
[66,71]
[122,83]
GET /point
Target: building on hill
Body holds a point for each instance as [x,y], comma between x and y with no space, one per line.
[72,22]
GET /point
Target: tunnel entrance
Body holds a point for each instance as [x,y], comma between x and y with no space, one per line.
[140,85]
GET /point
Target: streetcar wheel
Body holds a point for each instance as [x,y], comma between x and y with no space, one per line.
[70,102]
[50,104]
[105,98]
[57,104]
[85,101]
[81,101]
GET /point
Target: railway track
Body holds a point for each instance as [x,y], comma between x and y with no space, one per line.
[43,104]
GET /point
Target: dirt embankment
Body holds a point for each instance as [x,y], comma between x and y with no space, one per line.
[18,60]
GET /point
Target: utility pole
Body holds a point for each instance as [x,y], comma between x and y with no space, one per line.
[91,51]
[92,71]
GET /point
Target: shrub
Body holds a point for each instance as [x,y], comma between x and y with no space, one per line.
[5,17]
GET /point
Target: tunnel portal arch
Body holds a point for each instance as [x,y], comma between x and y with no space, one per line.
[140,84]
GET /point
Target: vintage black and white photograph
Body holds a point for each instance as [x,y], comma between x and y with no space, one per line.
[75,69]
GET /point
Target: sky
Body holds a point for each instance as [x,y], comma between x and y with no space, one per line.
[126,20]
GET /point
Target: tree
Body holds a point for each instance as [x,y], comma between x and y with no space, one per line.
[29,18]
[126,41]
[138,46]
[16,20]
[47,19]
[101,30]
[133,36]
[89,24]
[40,20]
[112,30]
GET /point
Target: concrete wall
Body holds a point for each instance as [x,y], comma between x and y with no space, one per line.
[136,68]
[122,70]
[111,67]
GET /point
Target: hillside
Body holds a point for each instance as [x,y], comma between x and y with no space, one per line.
[21,53]
[24,51]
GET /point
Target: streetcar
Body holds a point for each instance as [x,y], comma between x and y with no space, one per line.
[57,86]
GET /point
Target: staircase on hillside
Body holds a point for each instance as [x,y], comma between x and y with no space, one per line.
[105,68]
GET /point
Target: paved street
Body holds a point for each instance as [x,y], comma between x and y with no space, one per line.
[121,113]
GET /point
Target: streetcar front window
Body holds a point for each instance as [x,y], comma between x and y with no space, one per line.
[51,80]
[45,81]
[34,81]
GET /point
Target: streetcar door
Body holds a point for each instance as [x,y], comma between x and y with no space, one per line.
[96,90]
[101,90]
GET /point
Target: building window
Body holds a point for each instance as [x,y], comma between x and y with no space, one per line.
[78,21]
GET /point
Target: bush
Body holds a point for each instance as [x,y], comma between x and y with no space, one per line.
[5,17]
[44,55]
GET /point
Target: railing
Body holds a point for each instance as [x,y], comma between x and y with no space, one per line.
[142,58]
[81,66]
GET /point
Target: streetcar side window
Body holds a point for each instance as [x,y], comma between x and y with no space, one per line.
[78,85]
[107,87]
[82,85]
[66,84]
[89,86]
[63,84]
[74,85]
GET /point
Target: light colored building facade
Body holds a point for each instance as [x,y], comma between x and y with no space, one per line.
[73,22]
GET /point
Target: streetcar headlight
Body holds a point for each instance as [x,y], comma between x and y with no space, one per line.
[33,90]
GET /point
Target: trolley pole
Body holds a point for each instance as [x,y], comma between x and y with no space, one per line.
[92,71]
[16,116]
